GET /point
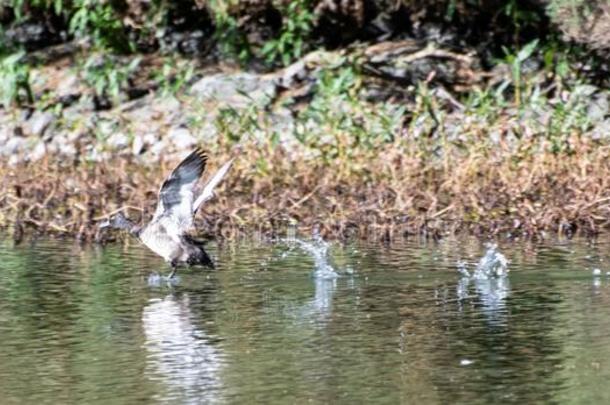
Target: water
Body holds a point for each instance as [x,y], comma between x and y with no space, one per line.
[399,325]
[317,249]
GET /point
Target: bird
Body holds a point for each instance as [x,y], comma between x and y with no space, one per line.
[166,234]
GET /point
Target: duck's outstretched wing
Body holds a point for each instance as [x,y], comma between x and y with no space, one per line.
[175,204]
[208,190]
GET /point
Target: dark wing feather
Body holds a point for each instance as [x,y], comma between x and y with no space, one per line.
[180,183]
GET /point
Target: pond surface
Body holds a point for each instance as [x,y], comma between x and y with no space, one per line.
[400,325]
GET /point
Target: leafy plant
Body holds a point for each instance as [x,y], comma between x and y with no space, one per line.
[515,61]
[235,124]
[568,118]
[100,20]
[231,40]
[15,80]
[173,75]
[520,17]
[19,6]
[292,39]
[108,76]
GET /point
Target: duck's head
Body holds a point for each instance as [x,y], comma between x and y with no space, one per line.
[117,221]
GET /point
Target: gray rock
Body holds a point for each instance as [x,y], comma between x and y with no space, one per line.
[166,105]
[158,148]
[118,140]
[68,150]
[13,160]
[14,145]
[5,133]
[137,146]
[206,131]
[62,146]
[38,152]
[38,123]
[107,127]
[74,136]
[181,138]
[599,107]
[150,138]
[96,155]
[601,130]
[238,89]
[69,85]
[293,74]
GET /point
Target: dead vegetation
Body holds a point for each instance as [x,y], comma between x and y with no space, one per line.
[387,193]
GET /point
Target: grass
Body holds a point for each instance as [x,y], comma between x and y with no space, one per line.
[406,186]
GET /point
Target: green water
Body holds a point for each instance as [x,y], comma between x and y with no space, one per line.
[97,325]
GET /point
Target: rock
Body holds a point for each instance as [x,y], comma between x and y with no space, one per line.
[61,144]
[69,87]
[38,152]
[137,145]
[107,127]
[5,133]
[96,155]
[158,148]
[182,138]
[13,160]
[68,150]
[118,140]
[15,145]
[38,123]
[207,131]
[601,130]
[599,107]
[31,35]
[75,135]
[293,74]
[150,138]
[167,109]
[238,89]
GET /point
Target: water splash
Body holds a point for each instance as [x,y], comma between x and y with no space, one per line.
[492,265]
[317,248]
[490,283]
[159,280]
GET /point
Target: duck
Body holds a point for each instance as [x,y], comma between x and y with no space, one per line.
[166,233]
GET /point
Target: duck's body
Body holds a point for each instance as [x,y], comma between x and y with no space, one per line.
[166,233]
[185,250]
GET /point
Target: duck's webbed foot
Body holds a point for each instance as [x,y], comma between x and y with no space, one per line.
[174,264]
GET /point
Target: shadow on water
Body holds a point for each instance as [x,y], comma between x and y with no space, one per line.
[86,325]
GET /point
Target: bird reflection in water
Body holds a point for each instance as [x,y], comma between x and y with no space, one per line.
[180,354]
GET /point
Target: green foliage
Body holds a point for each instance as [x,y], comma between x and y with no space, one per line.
[20,7]
[515,61]
[237,124]
[293,38]
[289,44]
[520,17]
[98,19]
[108,76]
[15,80]
[101,21]
[173,75]
[231,40]
[338,123]
[568,117]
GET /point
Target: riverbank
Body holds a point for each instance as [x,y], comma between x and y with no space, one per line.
[389,192]
[374,141]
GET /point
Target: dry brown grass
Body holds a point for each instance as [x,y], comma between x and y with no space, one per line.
[383,193]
